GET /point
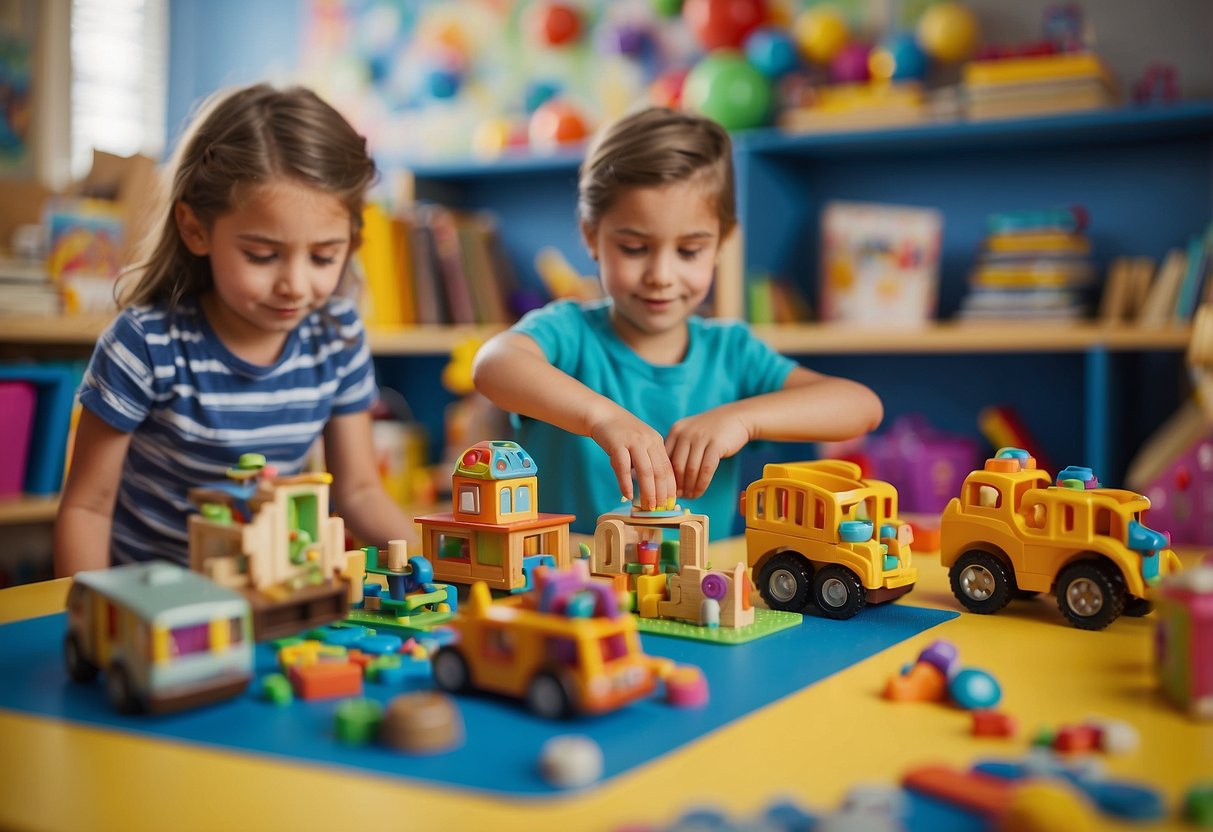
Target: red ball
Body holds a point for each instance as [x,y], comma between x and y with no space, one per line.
[555,24]
[556,123]
[723,24]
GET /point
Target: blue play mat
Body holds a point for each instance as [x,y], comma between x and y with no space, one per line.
[503,739]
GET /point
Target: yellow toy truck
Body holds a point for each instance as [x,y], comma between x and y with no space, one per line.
[819,533]
[1012,532]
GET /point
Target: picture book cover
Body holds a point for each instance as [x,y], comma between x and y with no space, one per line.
[880,263]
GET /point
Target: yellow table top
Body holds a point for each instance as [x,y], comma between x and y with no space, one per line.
[811,746]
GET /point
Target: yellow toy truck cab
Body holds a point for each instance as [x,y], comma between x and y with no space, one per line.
[1013,532]
[818,532]
[565,647]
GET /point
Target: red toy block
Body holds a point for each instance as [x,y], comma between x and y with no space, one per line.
[993,724]
[326,680]
[1073,739]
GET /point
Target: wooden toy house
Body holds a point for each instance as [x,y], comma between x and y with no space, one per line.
[272,538]
[495,526]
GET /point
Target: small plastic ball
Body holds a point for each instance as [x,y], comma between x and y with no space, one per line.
[900,58]
[948,32]
[820,33]
[538,92]
[772,51]
[972,688]
[554,24]
[627,39]
[666,89]
[723,24]
[570,761]
[724,86]
[556,123]
[850,65]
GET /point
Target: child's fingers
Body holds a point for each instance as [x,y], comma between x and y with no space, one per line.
[667,483]
[708,464]
[621,464]
[678,464]
[690,474]
[646,482]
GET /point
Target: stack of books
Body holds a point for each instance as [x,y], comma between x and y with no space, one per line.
[863,106]
[1037,85]
[1033,265]
[26,288]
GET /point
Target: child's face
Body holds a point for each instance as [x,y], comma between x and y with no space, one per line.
[656,251]
[275,257]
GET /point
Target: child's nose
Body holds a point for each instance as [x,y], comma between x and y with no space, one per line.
[292,279]
[661,270]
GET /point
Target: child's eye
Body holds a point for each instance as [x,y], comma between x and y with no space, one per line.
[689,253]
[321,260]
[631,251]
[260,259]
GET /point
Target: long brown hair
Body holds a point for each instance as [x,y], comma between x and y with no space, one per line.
[653,147]
[244,137]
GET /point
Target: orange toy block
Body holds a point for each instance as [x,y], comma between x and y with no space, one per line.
[1073,739]
[993,724]
[923,682]
[326,680]
[982,793]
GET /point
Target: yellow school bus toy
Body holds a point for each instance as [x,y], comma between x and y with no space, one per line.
[565,647]
[818,533]
[1012,531]
[165,637]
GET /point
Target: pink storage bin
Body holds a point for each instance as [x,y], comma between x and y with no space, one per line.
[925,465]
[17,402]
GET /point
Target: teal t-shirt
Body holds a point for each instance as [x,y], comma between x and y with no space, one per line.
[724,363]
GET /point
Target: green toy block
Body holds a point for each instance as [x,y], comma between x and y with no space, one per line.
[358,720]
[276,688]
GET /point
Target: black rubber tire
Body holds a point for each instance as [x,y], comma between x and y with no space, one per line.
[981,582]
[785,582]
[118,688]
[1090,594]
[838,593]
[549,696]
[1137,607]
[79,668]
[450,670]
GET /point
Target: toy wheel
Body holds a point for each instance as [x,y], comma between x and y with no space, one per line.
[118,686]
[714,586]
[785,582]
[981,582]
[838,592]
[1137,607]
[451,670]
[78,667]
[549,697]
[1090,594]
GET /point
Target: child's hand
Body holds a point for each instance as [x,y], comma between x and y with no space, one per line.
[696,445]
[634,446]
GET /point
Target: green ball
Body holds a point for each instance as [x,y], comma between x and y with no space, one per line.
[727,88]
[667,8]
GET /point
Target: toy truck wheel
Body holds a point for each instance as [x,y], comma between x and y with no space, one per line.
[549,696]
[118,687]
[981,582]
[785,582]
[1090,594]
[838,592]
[78,667]
[451,670]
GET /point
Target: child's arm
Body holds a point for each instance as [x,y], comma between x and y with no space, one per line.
[512,371]
[811,407]
[86,508]
[367,509]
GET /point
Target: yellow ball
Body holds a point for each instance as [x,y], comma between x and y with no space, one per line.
[1044,806]
[948,32]
[820,33]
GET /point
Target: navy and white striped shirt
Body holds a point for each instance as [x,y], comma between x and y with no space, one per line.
[193,408]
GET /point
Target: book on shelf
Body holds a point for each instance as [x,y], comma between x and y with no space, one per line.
[1158,307]
[861,106]
[26,288]
[1037,85]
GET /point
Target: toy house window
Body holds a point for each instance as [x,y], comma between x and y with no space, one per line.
[507,500]
[453,547]
[561,651]
[522,502]
[469,499]
[194,638]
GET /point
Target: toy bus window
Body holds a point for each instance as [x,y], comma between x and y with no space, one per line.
[499,644]
[236,634]
[1036,516]
[819,514]
[760,505]
[985,496]
[453,547]
[469,499]
[888,508]
[1103,521]
[1067,516]
[781,504]
[561,650]
[614,646]
[523,500]
[507,500]
[798,515]
[193,638]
